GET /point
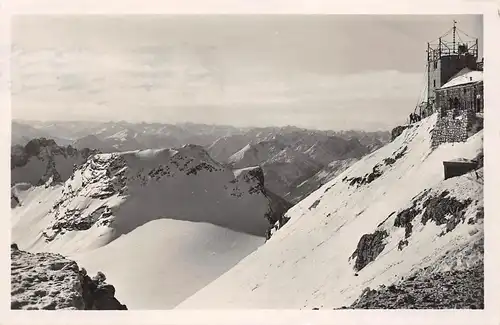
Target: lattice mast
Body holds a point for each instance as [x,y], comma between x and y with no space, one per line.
[446,58]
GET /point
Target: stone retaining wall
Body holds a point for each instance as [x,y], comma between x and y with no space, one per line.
[452,127]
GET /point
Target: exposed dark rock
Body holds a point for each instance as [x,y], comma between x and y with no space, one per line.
[315,204]
[202,166]
[278,208]
[442,209]
[14,201]
[46,150]
[480,213]
[457,289]
[97,294]
[438,208]
[401,153]
[405,217]
[376,170]
[402,244]
[52,282]
[479,160]
[278,225]
[396,132]
[391,160]
[369,247]
[366,179]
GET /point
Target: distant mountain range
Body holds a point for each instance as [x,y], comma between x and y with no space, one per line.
[287,155]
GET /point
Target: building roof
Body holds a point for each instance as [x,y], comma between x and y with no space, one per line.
[465,76]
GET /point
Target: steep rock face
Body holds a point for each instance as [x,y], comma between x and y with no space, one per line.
[42,160]
[51,281]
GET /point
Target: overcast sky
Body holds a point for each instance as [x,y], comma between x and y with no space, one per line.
[327,72]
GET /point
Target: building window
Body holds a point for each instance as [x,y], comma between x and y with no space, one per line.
[434,83]
[435,65]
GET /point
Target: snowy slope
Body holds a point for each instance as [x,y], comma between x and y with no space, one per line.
[164,261]
[366,227]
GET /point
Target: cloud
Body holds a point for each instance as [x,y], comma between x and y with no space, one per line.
[300,71]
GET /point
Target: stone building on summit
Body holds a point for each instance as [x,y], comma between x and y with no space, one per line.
[454,87]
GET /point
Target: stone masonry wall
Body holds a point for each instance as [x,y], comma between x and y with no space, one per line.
[452,127]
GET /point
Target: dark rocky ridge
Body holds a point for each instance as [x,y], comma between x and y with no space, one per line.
[20,155]
[50,281]
[45,151]
[456,289]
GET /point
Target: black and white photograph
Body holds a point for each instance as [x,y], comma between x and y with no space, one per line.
[233,162]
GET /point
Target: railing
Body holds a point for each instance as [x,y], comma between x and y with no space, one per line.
[435,51]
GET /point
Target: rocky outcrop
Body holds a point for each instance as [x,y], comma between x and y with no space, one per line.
[396,132]
[97,294]
[369,247]
[377,170]
[456,289]
[36,147]
[52,282]
[14,201]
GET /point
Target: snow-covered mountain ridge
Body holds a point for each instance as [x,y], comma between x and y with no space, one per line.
[387,216]
[173,209]
[111,190]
